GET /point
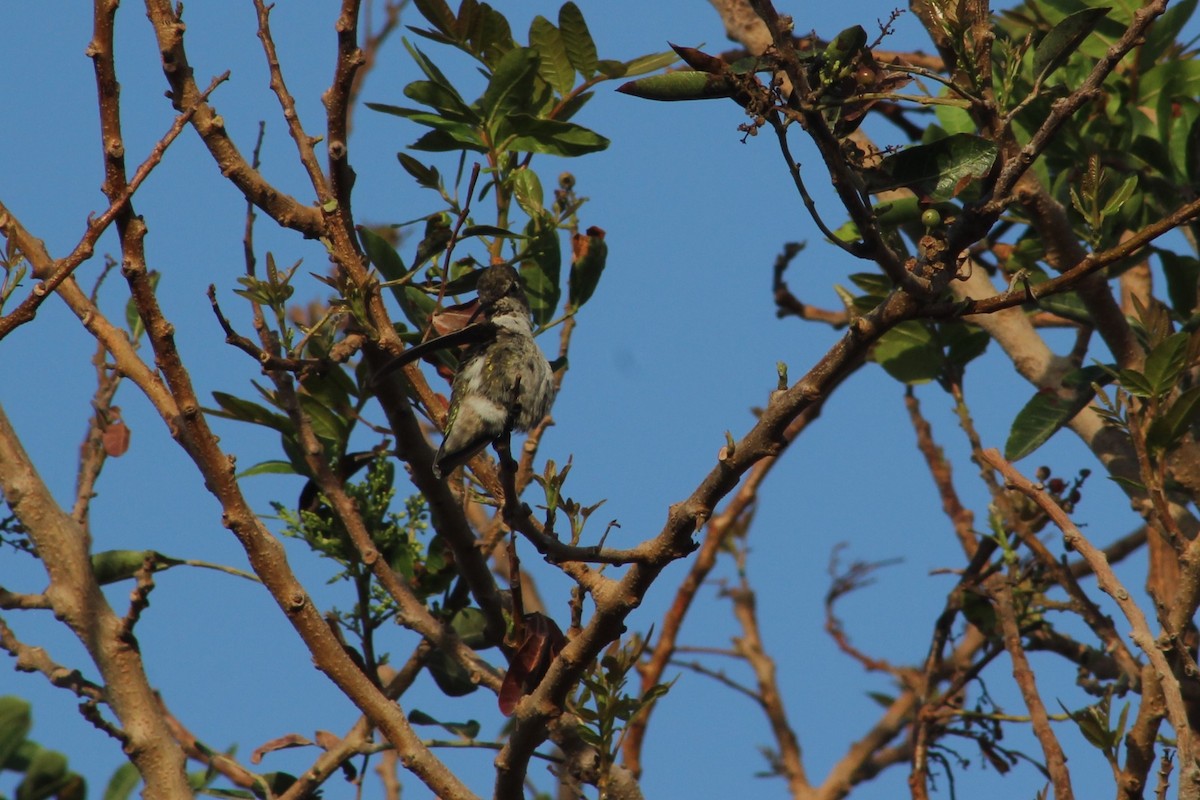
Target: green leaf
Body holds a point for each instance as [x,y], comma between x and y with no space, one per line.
[540,269]
[1163,32]
[938,171]
[648,63]
[246,411]
[268,468]
[581,49]
[455,135]
[468,730]
[470,624]
[438,14]
[122,783]
[46,774]
[1119,198]
[449,675]
[909,354]
[554,65]
[1047,411]
[382,255]
[511,84]
[111,566]
[528,190]
[16,719]
[426,176]
[487,32]
[1056,47]
[444,142]
[1135,383]
[1169,427]
[1165,362]
[132,318]
[446,102]
[415,305]
[676,86]
[589,255]
[552,137]
[483,230]
[329,427]
[430,69]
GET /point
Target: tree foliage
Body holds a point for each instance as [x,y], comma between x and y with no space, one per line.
[1046,178]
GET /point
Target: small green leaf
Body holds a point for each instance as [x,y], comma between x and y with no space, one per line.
[134,319]
[1165,362]
[449,675]
[16,719]
[46,773]
[429,68]
[648,63]
[446,102]
[438,14]
[111,566]
[1121,196]
[470,624]
[447,142]
[419,717]
[552,137]
[382,255]
[1128,484]
[122,783]
[268,468]
[528,190]
[484,230]
[1063,39]
[245,411]
[554,65]
[675,86]
[540,269]
[581,49]
[1168,428]
[909,354]
[1047,411]
[429,177]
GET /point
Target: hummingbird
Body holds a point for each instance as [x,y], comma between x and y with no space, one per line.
[503,379]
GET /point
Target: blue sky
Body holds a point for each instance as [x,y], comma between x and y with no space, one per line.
[679,343]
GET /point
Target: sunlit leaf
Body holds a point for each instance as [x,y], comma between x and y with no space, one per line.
[909,354]
[674,86]
[511,84]
[554,65]
[581,49]
[527,189]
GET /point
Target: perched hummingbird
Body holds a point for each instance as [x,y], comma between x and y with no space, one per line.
[503,378]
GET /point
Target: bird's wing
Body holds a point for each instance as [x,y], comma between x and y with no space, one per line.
[471,334]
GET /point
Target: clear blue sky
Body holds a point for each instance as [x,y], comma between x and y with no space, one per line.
[679,343]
